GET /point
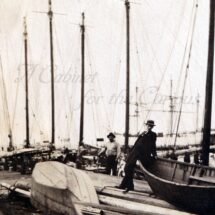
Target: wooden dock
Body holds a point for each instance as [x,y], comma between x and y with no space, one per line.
[113,200]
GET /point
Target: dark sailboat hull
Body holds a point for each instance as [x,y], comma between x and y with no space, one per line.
[185,185]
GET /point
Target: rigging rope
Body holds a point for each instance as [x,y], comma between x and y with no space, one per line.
[185,52]
[151,46]
[67,97]
[183,63]
[187,67]
[118,66]
[59,112]
[17,91]
[35,92]
[183,60]
[181,69]
[74,86]
[58,44]
[165,70]
[93,102]
[4,99]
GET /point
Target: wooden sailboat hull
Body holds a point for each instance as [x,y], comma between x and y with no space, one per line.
[55,188]
[185,185]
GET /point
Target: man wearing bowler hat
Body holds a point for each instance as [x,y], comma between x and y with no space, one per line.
[112,151]
[144,150]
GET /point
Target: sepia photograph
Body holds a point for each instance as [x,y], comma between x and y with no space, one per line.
[106,107]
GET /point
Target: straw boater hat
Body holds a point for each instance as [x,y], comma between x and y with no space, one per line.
[111,135]
[150,122]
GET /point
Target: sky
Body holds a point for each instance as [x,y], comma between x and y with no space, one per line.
[161,32]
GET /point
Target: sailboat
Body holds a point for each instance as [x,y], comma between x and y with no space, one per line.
[27,150]
[187,185]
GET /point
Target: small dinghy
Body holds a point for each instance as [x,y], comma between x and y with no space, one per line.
[57,187]
[185,185]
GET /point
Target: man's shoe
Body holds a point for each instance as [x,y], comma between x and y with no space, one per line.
[119,187]
[128,189]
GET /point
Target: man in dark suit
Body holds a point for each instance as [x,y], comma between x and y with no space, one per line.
[144,150]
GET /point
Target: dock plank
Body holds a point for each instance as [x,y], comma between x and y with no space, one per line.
[102,180]
[139,207]
[135,197]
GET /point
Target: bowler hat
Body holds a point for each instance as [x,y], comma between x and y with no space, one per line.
[150,122]
[111,135]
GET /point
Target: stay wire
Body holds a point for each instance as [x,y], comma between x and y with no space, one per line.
[183,60]
[164,72]
[152,63]
[5,100]
[187,67]
[118,70]
[94,109]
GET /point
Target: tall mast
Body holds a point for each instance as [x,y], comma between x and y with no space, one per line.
[127,6]
[171,110]
[50,14]
[26,84]
[82,79]
[209,89]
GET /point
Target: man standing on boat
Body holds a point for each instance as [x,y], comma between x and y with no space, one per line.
[112,151]
[144,150]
